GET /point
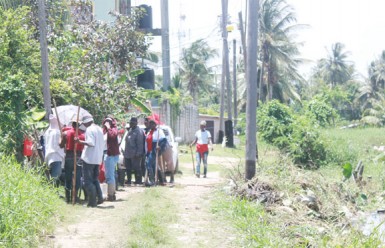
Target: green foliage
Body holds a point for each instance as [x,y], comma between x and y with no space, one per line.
[19,77]
[208,111]
[320,111]
[28,205]
[195,74]
[305,145]
[274,123]
[293,134]
[347,170]
[101,63]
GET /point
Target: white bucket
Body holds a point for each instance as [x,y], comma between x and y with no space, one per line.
[103,186]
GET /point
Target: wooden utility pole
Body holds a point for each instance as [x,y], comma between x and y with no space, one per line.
[235,81]
[44,58]
[251,79]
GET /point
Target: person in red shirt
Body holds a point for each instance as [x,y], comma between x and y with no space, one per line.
[112,157]
[68,142]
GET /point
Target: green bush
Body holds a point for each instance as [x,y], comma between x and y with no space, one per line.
[274,123]
[321,112]
[28,205]
[306,147]
[292,134]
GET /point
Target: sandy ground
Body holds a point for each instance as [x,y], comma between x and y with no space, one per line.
[196,226]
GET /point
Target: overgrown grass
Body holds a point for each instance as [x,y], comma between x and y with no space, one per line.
[289,222]
[28,205]
[148,228]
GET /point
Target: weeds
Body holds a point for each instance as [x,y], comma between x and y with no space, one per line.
[28,205]
[149,226]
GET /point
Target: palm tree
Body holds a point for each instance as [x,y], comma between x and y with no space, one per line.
[335,68]
[194,70]
[377,72]
[278,52]
[370,96]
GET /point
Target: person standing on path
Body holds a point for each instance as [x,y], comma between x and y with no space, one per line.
[92,157]
[151,146]
[68,142]
[112,157]
[202,141]
[54,154]
[134,151]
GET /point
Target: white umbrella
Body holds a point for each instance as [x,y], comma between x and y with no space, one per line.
[67,113]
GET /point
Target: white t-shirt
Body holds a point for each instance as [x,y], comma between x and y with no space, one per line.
[93,151]
[203,136]
[53,152]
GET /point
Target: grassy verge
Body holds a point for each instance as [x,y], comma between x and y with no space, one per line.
[148,228]
[276,209]
[28,206]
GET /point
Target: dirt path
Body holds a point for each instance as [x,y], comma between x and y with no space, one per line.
[105,226]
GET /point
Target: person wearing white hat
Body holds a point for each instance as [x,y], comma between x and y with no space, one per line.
[54,154]
[202,141]
[92,157]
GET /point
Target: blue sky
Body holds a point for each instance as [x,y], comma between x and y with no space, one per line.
[358,24]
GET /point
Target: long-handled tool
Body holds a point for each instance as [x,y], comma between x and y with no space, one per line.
[75,159]
[192,157]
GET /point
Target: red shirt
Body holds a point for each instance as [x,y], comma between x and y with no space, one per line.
[149,141]
[70,134]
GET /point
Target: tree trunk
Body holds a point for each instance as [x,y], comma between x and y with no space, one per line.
[251,78]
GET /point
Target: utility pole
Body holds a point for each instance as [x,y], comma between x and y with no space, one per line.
[251,79]
[44,58]
[166,52]
[223,77]
[235,81]
[243,38]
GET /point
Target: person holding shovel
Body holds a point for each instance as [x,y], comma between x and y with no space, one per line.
[202,141]
[151,144]
[68,142]
[92,157]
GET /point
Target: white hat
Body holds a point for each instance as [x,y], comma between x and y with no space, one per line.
[88,119]
[203,123]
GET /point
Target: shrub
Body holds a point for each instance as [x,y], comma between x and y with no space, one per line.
[274,123]
[306,147]
[292,134]
[321,112]
[27,205]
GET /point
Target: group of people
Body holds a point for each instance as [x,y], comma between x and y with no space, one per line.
[84,146]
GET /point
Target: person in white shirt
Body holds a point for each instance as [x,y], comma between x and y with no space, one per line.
[202,141]
[92,157]
[54,155]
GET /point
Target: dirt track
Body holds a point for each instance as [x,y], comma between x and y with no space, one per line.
[105,226]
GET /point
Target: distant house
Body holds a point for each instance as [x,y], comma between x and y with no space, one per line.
[212,125]
[102,8]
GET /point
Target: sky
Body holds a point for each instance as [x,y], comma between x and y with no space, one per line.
[358,24]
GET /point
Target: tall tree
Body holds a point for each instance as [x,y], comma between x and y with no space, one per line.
[194,69]
[278,51]
[335,68]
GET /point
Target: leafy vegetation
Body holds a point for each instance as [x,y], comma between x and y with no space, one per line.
[28,205]
[290,207]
